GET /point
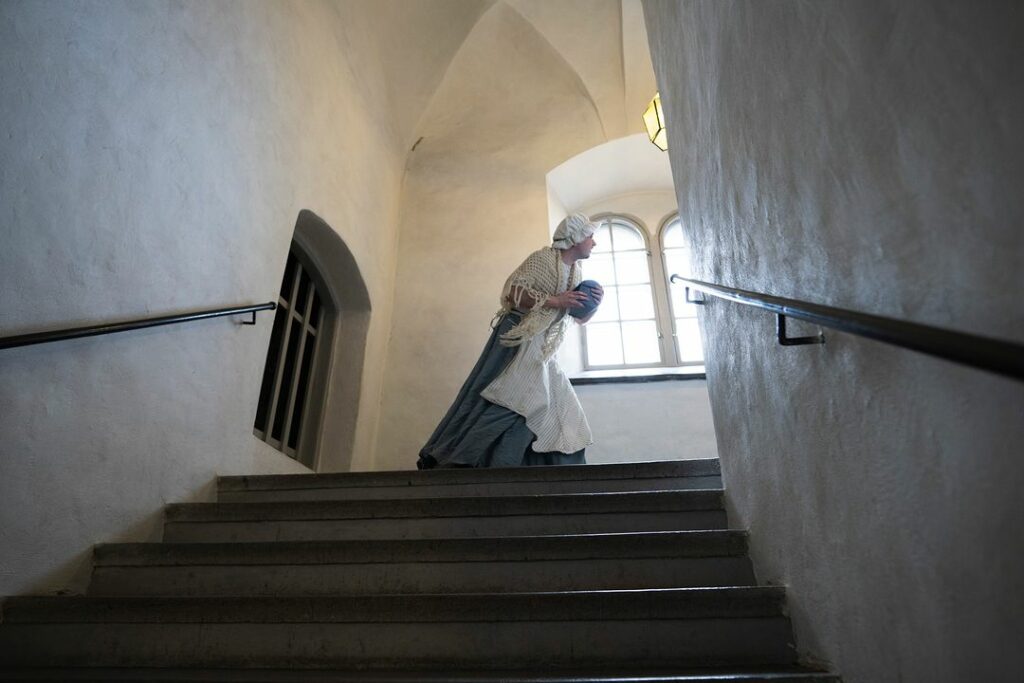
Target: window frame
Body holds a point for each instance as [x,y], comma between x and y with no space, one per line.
[658,300]
[664,313]
[673,331]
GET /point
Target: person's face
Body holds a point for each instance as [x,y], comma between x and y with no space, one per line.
[585,247]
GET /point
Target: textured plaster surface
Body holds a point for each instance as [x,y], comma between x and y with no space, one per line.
[867,155]
[153,159]
[588,36]
[605,43]
[653,421]
[623,166]
[636,62]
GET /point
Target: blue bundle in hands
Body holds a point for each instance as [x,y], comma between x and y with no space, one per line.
[588,287]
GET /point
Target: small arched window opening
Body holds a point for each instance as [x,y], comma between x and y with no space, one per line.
[290,395]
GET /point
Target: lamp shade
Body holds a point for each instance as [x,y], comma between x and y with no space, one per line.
[654,122]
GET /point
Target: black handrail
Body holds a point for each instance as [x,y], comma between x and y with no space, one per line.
[1002,357]
[93,330]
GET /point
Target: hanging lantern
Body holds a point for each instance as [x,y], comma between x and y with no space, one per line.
[654,122]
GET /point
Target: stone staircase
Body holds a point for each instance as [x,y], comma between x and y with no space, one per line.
[543,575]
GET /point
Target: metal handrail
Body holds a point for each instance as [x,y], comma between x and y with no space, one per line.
[141,323]
[994,355]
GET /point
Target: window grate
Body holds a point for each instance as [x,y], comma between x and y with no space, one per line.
[290,360]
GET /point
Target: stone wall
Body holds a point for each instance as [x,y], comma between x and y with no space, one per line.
[866,155]
[154,158]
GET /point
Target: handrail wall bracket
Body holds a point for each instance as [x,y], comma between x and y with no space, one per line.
[780,329]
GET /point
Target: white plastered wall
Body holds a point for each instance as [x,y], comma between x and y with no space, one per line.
[154,158]
[665,420]
[866,155]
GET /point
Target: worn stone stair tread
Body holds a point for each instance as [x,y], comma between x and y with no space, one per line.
[639,470]
[469,506]
[635,545]
[505,564]
[746,675]
[455,490]
[558,575]
[564,606]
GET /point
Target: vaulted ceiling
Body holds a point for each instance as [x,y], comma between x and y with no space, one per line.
[410,47]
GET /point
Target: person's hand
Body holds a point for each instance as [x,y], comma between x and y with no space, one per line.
[598,294]
[567,299]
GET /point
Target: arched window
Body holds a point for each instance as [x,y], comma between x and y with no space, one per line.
[644,320]
[624,331]
[675,250]
[314,364]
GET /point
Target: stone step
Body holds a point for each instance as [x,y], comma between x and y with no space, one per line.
[541,515]
[646,476]
[473,565]
[678,627]
[631,675]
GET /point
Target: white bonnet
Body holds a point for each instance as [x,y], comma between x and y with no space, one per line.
[572,230]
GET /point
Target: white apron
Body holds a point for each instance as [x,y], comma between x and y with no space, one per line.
[538,390]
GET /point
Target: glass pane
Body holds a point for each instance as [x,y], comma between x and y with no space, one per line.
[660,140]
[636,302]
[632,267]
[640,340]
[680,308]
[599,268]
[677,262]
[609,308]
[626,238]
[673,235]
[604,344]
[651,121]
[602,240]
[688,340]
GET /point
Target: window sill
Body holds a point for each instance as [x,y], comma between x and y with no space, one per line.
[638,375]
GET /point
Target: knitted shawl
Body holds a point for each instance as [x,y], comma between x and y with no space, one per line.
[539,277]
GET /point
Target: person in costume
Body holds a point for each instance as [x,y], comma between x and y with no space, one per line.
[517,407]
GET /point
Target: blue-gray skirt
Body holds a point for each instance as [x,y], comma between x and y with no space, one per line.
[477,433]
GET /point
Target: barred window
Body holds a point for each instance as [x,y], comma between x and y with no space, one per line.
[294,344]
